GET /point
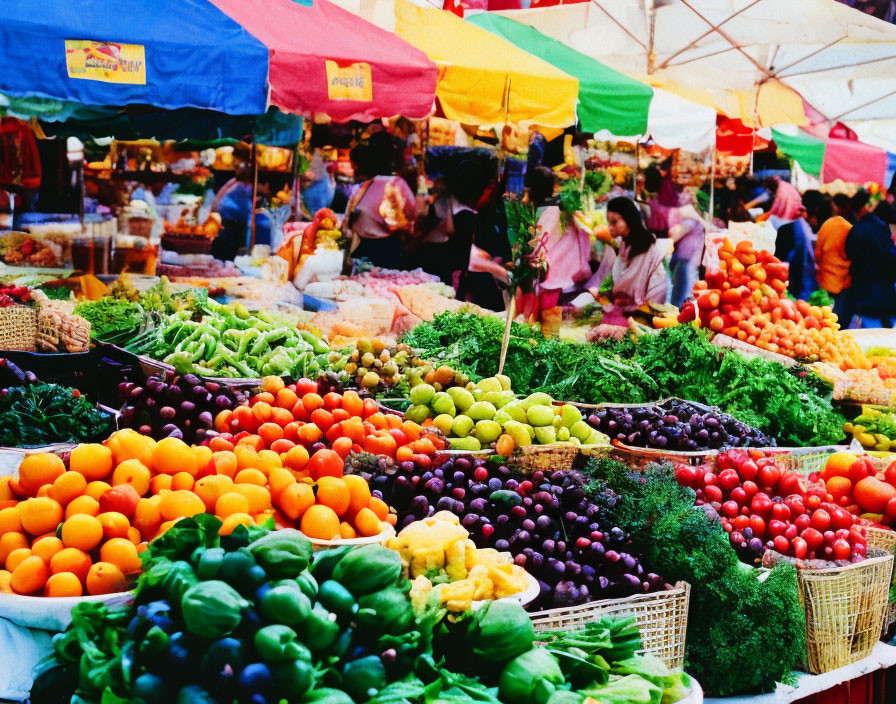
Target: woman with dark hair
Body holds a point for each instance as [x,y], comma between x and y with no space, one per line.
[383,210]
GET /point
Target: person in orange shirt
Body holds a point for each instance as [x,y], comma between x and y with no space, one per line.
[831,262]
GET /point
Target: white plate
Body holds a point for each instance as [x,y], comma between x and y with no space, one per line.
[51,613]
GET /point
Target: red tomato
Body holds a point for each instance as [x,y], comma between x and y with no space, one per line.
[791,532]
[761,504]
[860,469]
[750,488]
[800,547]
[780,511]
[821,519]
[813,502]
[728,479]
[769,475]
[782,545]
[748,470]
[890,474]
[305,386]
[325,463]
[841,518]
[842,549]
[741,522]
[792,483]
[710,479]
[737,539]
[860,549]
[814,539]
[739,495]
[757,524]
[776,527]
[890,509]
[685,476]
[712,493]
[802,521]
[796,504]
[730,509]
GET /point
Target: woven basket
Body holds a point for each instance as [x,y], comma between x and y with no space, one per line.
[662,618]
[18,328]
[804,460]
[845,610]
[530,458]
[881,538]
[642,456]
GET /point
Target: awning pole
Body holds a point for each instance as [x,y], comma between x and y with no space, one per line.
[254,195]
[712,187]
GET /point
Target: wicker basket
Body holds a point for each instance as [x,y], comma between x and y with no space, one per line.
[642,456]
[882,538]
[845,610]
[530,458]
[804,460]
[662,618]
[18,328]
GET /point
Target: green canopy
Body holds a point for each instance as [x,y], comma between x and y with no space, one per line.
[803,148]
[608,100]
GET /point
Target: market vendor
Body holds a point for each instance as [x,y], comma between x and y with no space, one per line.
[382,212]
[234,203]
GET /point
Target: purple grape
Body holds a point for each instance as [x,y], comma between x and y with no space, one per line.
[501,544]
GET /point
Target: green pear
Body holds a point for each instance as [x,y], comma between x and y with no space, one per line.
[575,441]
[417,414]
[546,435]
[518,432]
[562,434]
[498,398]
[502,417]
[597,438]
[487,431]
[443,423]
[477,393]
[469,444]
[537,399]
[505,381]
[515,410]
[482,410]
[540,415]
[461,426]
[422,394]
[557,422]
[570,414]
[442,404]
[490,384]
[462,398]
[580,430]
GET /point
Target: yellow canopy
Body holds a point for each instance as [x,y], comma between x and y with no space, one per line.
[483,79]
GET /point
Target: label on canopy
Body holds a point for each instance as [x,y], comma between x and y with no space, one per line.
[351,82]
[105,61]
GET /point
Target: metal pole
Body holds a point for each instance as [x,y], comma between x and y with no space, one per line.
[712,187]
[254,194]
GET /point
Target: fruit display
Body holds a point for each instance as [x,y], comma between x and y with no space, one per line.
[323,233]
[764,508]
[853,483]
[297,418]
[871,386]
[437,555]
[180,406]
[11,294]
[546,521]
[487,412]
[874,428]
[258,618]
[676,425]
[747,299]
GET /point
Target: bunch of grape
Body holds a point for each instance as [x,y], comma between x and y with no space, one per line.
[546,520]
[183,407]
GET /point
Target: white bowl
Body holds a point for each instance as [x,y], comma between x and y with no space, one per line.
[52,613]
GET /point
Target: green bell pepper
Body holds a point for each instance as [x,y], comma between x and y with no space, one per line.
[294,677]
[364,677]
[286,605]
[282,554]
[212,609]
[368,568]
[277,643]
[211,563]
[320,629]
[337,599]
[308,584]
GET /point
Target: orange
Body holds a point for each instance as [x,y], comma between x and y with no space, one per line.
[68,486]
[270,432]
[5,578]
[96,489]
[262,411]
[250,476]
[40,515]
[132,472]
[278,480]
[242,419]
[286,398]
[44,490]
[367,523]
[282,417]
[71,560]
[6,492]
[296,499]
[122,553]
[128,444]
[268,460]
[234,520]
[838,486]
[320,522]
[221,423]
[346,532]
[160,483]
[272,384]
[147,517]
[296,458]
[45,548]
[259,497]
[263,397]
[253,441]
[246,457]
[334,493]
[16,558]
[83,504]
[82,531]
[837,465]
[219,444]
[115,524]
[180,504]
[135,537]
[379,507]
[225,463]
[231,503]
[63,584]
[92,460]
[281,447]
[359,492]
[30,575]
[10,521]
[210,489]
[203,455]
[105,578]
[10,542]
[182,481]
[39,469]
[172,455]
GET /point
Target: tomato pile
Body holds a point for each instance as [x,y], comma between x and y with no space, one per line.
[763,508]
[747,299]
[853,482]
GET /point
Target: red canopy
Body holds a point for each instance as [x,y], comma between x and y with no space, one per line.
[323,59]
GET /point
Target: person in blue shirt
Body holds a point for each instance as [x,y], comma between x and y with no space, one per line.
[234,203]
[871,251]
[794,244]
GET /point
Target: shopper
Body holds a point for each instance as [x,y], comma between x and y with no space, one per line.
[831,262]
[382,212]
[689,235]
[234,203]
[794,243]
[871,251]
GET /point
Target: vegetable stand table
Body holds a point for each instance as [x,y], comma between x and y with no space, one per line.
[834,687]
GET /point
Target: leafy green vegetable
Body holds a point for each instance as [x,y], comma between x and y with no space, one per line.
[630,689]
[43,414]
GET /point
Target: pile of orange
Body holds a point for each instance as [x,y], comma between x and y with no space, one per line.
[296,418]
